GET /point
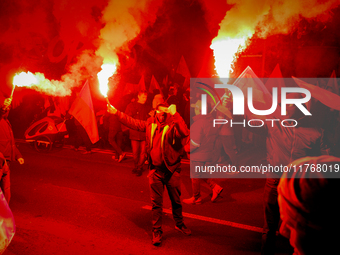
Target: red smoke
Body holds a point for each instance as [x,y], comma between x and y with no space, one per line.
[84,34]
[69,40]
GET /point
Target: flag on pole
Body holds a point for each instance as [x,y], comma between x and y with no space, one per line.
[332,83]
[141,84]
[183,70]
[203,73]
[154,85]
[324,96]
[275,80]
[82,110]
[248,79]
[262,99]
[207,68]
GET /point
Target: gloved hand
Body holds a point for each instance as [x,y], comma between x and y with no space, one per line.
[7,102]
[172,109]
[111,109]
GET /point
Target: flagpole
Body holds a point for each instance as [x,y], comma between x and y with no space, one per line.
[12,91]
[107,100]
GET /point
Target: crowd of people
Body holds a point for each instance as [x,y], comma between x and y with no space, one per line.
[158,131]
[208,144]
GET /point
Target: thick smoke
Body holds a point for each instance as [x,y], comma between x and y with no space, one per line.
[120,22]
[245,18]
[85,34]
[124,20]
[214,11]
[285,15]
[24,26]
[268,17]
[88,33]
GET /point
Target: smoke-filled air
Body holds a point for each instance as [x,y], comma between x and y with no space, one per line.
[66,42]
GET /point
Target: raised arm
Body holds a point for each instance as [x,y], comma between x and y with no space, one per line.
[181,127]
[4,107]
[139,125]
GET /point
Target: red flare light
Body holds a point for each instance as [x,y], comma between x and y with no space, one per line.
[25,79]
[103,77]
[224,53]
[39,83]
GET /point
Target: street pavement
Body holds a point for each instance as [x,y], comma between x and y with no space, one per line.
[65,202]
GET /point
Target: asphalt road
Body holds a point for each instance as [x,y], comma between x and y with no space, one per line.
[65,202]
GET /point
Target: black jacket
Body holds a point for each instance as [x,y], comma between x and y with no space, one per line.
[140,112]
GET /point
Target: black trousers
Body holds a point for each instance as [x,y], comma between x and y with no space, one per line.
[157,180]
[271,216]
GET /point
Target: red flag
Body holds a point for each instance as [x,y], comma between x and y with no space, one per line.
[332,83]
[82,110]
[7,224]
[154,85]
[324,96]
[276,72]
[249,79]
[275,80]
[262,99]
[207,69]
[183,70]
[203,73]
[141,84]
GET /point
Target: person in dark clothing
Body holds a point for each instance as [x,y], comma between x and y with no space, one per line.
[285,144]
[164,132]
[226,140]
[116,137]
[8,148]
[203,137]
[279,144]
[138,110]
[174,98]
[157,99]
[82,138]
[71,129]
[308,207]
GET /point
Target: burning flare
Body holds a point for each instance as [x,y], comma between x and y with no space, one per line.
[39,83]
[24,79]
[247,17]
[224,52]
[103,77]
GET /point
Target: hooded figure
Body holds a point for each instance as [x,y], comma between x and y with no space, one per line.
[165,132]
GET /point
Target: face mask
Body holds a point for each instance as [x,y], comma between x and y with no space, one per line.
[161,117]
